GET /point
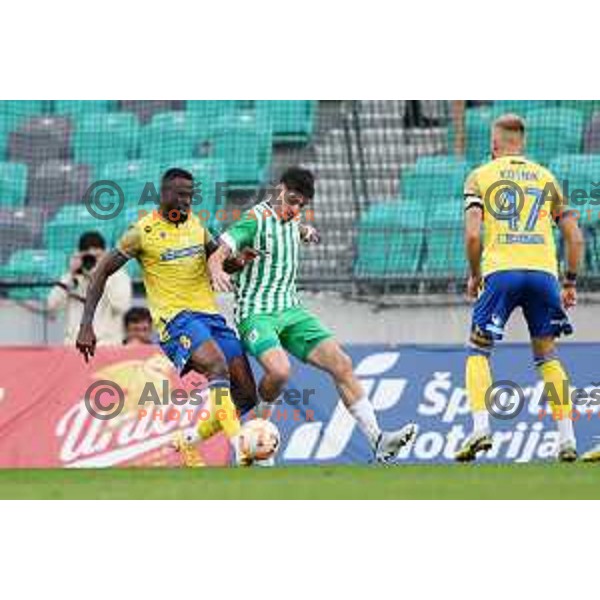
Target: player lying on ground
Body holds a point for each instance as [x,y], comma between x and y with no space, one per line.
[172,247]
[515,265]
[269,315]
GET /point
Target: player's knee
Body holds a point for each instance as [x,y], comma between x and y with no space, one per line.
[342,368]
[215,368]
[480,342]
[544,350]
[279,372]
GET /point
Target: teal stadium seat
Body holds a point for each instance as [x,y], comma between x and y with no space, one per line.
[62,232]
[433,179]
[79,108]
[390,240]
[138,179]
[102,138]
[244,142]
[292,120]
[553,131]
[170,137]
[521,107]
[207,113]
[587,107]
[12,115]
[30,265]
[13,185]
[445,255]
[578,172]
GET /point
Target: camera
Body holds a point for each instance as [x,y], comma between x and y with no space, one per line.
[88,262]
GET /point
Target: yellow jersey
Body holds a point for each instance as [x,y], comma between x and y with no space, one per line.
[173,262]
[520,200]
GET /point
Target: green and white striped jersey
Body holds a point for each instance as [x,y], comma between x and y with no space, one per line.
[268,284]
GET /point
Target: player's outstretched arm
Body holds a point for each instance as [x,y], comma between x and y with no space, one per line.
[220,279]
[86,338]
[574,250]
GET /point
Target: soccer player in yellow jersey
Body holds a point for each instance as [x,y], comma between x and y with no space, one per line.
[172,246]
[514,201]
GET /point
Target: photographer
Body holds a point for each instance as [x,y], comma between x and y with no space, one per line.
[69,293]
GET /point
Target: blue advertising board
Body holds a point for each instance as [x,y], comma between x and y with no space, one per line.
[425,384]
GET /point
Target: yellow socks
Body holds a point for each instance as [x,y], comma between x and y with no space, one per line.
[556,387]
[220,415]
[478,378]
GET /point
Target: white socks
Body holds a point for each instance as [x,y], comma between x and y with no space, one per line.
[481,422]
[566,435]
[364,413]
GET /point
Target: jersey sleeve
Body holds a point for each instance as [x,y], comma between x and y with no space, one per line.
[241,234]
[473,195]
[130,243]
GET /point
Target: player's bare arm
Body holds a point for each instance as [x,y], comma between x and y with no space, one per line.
[473,220]
[231,264]
[574,249]
[221,281]
[86,339]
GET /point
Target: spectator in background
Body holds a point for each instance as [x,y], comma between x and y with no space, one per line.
[70,291]
[138,326]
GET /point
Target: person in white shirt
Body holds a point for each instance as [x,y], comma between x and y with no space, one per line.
[70,291]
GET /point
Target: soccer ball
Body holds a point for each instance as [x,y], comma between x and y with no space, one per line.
[259,439]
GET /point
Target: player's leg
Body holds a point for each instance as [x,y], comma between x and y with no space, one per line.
[547,320]
[243,385]
[276,365]
[188,343]
[260,337]
[305,337]
[490,313]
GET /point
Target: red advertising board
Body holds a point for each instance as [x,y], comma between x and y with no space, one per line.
[44,420]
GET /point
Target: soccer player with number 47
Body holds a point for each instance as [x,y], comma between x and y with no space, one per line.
[513,264]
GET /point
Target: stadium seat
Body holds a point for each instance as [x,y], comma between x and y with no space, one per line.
[390,241]
[101,138]
[13,113]
[170,137]
[292,120]
[79,108]
[19,228]
[138,179]
[521,107]
[145,110]
[40,139]
[445,255]
[63,231]
[553,131]
[33,266]
[433,179]
[587,107]
[578,172]
[244,143]
[55,183]
[13,184]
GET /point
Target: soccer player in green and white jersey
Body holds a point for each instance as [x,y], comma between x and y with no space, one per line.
[270,316]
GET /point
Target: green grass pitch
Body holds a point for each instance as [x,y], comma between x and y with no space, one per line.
[479,481]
